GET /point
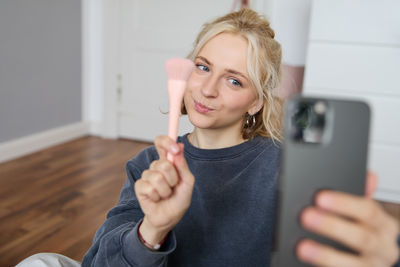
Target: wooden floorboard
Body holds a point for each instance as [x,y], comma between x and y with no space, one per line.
[54,200]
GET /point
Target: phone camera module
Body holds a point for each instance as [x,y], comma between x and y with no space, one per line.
[308,121]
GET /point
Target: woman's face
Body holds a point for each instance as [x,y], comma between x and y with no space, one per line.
[219,91]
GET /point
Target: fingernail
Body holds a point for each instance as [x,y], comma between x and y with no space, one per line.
[325,200]
[174,148]
[308,251]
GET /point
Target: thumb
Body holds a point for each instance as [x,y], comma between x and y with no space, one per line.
[181,166]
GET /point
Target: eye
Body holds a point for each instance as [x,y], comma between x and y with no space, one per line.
[235,82]
[202,67]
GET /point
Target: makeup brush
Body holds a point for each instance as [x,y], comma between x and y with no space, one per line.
[178,71]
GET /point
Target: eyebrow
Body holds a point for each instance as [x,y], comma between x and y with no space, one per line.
[228,70]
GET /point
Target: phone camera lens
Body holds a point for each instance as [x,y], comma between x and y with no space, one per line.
[308,121]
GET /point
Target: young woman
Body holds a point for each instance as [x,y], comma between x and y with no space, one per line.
[215,204]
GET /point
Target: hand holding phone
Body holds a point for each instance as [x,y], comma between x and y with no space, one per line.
[325,147]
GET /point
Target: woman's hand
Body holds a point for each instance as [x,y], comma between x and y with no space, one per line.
[357,222]
[164,191]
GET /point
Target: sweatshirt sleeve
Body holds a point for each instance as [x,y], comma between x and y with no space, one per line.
[116,242]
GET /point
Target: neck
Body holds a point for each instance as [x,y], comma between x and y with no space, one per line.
[214,139]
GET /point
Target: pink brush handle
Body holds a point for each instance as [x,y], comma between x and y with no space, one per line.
[176,90]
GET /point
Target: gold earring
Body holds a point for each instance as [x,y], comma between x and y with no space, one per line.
[251,118]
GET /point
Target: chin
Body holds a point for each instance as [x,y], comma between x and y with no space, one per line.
[202,124]
[200,121]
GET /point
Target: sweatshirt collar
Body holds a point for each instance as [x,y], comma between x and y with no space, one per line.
[220,153]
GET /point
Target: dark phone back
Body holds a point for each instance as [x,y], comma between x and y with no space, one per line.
[325,148]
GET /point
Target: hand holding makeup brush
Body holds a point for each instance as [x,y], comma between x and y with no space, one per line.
[164,191]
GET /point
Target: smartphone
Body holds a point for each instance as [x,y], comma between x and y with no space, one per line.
[325,147]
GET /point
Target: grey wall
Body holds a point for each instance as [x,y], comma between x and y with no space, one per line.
[40,66]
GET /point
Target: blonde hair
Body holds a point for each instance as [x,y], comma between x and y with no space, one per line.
[263,64]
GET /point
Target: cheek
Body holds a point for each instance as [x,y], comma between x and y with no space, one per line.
[239,101]
[193,84]
[195,81]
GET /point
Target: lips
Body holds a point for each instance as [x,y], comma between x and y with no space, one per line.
[202,108]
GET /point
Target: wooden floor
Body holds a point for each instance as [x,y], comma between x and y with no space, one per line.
[54,200]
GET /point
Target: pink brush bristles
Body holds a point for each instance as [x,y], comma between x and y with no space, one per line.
[178,70]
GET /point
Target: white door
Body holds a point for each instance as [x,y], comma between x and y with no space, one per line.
[152,32]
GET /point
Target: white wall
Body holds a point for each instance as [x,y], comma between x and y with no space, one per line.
[353,55]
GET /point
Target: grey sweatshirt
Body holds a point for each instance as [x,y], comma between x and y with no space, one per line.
[230,221]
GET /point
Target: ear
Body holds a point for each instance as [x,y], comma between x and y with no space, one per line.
[254,109]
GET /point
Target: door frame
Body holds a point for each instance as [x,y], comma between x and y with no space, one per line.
[100,33]
[112,65]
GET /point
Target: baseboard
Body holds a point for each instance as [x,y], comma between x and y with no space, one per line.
[32,143]
[387,195]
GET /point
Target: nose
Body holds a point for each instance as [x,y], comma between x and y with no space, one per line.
[210,86]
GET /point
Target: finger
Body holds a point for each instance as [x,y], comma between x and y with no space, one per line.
[165,144]
[353,235]
[144,189]
[167,169]
[371,184]
[159,183]
[181,166]
[321,255]
[362,209]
